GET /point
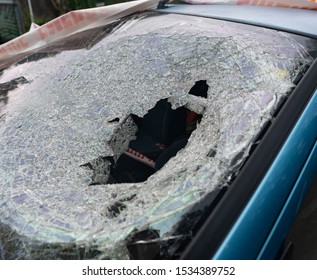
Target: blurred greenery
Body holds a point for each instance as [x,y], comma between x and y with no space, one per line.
[83,4]
[80,4]
[8,27]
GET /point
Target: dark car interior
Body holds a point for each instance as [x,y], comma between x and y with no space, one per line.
[162,132]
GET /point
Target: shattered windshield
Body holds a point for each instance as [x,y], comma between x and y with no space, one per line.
[186,92]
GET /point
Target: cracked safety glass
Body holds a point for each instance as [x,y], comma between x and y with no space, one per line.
[68,119]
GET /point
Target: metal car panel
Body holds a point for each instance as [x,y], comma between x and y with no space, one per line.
[272,246]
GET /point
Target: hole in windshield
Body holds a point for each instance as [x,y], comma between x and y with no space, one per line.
[161,134]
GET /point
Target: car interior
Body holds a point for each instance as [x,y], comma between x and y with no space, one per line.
[162,132]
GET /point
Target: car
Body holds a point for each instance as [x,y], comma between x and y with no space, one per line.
[184,132]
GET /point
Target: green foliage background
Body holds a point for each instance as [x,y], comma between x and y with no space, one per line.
[8,27]
[83,4]
[80,4]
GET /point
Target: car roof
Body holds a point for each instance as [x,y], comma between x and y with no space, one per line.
[298,21]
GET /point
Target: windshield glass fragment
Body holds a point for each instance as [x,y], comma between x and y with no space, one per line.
[72,117]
